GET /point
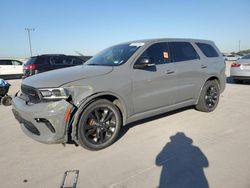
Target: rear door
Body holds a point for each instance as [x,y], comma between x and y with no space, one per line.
[6,67]
[154,87]
[189,74]
[18,67]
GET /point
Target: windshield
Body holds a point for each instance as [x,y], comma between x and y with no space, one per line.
[246,57]
[116,55]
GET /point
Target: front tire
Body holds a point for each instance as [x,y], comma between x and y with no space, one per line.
[209,96]
[99,125]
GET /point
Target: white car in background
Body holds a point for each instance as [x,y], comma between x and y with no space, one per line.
[232,57]
[240,70]
[10,68]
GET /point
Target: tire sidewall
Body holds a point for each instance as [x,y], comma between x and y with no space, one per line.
[205,88]
[201,105]
[6,101]
[81,137]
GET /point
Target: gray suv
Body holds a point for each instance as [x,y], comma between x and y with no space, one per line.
[88,104]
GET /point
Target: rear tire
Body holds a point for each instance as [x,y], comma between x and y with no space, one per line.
[209,96]
[99,125]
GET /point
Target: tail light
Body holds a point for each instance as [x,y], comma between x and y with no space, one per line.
[235,65]
[29,67]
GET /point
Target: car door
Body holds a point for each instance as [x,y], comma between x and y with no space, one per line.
[6,67]
[189,74]
[153,87]
[17,67]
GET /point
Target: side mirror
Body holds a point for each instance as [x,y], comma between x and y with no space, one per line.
[144,63]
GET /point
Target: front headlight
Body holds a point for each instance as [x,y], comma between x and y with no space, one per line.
[54,93]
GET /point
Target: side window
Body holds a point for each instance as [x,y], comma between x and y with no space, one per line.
[207,50]
[40,60]
[5,62]
[77,61]
[56,61]
[159,52]
[16,63]
[67,61]
[183,51]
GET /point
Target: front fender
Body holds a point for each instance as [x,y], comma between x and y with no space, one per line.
[85,102]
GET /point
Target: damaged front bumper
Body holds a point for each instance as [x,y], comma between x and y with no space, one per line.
[46,122]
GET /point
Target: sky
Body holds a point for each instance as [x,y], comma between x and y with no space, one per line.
[88,26]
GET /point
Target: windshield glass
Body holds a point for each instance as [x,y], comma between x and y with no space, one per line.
[116,55]
[246,57]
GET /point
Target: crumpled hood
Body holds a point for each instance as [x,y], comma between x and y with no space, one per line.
[59,77]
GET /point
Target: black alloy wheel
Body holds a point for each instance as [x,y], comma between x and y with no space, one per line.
[99,125]
[209,96]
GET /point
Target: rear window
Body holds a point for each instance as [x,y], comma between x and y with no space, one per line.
[183,51]
[31,61]
[207,50]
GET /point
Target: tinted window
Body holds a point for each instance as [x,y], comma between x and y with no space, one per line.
[31,61]
[77,61]
[207,50]
[5,62]
[158,52]
[183,51]
[57,61]
[71,61]
[41,60]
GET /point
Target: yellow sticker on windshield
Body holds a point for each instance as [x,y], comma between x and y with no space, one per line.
[165,55]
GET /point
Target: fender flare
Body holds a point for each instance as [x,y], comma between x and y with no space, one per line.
[84,103]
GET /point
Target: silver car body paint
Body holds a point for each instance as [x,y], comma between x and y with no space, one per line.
[139,93]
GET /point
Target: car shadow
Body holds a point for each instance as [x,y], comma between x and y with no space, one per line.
[230,80]
[182,164]
[125,128]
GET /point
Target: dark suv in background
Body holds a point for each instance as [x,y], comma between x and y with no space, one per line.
[43,63]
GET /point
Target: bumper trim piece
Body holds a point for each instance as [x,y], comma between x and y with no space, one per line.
[28,125]
[47,123]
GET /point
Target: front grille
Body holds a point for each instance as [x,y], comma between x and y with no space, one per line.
[31,93]
[28,125]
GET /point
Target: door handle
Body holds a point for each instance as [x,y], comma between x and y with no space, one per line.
[203,66]
[169,72]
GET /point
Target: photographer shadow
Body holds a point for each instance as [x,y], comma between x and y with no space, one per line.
[182,164]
